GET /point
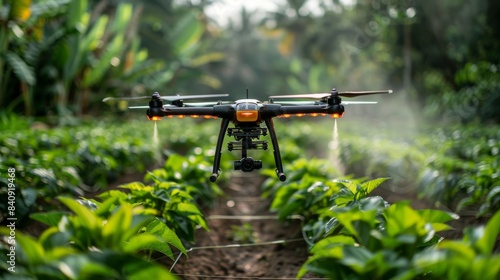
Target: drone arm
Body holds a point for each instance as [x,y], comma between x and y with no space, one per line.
[189,111]
[275,110]
[215,171]
[276,152]
[221,111]
[311,109]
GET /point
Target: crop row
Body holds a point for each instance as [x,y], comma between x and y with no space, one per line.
[339,214]
[79,160]
[115,235]
[456,166]
[353,235]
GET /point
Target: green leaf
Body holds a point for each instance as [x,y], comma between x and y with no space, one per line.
[98,70]
[332,241]
[372,203]
[130,266]
[437,216]
[147,241]
[157,227]
[207,58]
[49,218]
[186,34]
[116,227]
[369,186]
[76,11]
[356,258]
[53,238]
[188,208]
[93,270]
[84,215]
[289,209]
[32,249]
[486,242]
[461,249]
[355,219]
[23,71]
[331,225]
[343,197]
[401,218]
[122,18]
[94,36]
[323,268]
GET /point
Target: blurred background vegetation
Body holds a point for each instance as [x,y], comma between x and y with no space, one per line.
[438,136]
[60,58]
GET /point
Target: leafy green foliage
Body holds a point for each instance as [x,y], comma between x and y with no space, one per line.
[87,243]
[465,171]
[296,171]
[376,242]
[304,198]
[71,160]
[113,226]
[456,166]
[59,51]
[22,70]
[192,172]
[358,236]
[170,201]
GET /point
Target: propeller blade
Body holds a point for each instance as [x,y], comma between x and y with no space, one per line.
[138,107]
[125,98]
[207,104]
[200,104]
[322,95]
[168,98]
[296,103]
[299,103]
[358,102]
[360,93]
[186,97]
[307,95]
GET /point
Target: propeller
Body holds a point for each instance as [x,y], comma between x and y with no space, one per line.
[167,98]
[299,103]
[332,93]
[357,102]
[206,104]
[195,104]
[138,107]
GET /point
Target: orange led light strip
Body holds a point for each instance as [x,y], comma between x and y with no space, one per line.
[335,115]
[158,118]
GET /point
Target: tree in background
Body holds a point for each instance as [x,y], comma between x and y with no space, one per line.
[444,55]
[65,56]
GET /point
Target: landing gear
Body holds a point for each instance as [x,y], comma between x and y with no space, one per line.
[247,138]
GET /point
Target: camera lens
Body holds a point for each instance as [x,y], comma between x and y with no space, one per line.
[247,164]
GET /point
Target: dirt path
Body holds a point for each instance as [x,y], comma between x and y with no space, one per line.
[230,223]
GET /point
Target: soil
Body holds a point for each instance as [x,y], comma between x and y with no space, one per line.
[243,211]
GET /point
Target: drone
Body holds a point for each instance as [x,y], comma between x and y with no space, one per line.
[247,116]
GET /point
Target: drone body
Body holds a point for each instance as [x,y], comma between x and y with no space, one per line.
[247,116]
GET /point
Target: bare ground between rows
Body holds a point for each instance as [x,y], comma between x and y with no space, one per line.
[268,261]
